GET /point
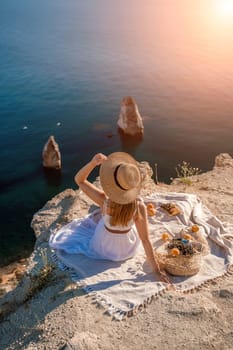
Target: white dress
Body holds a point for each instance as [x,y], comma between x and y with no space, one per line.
[85,236]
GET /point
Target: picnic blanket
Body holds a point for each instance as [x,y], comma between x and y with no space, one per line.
[123,288]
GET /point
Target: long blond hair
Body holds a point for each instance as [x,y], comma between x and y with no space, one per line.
[121,214]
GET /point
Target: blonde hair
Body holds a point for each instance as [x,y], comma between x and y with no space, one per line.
[121,214]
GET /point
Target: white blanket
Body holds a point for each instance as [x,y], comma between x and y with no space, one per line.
[123,288]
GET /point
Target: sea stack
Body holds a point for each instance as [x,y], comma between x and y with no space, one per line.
[51,155]
[130,120]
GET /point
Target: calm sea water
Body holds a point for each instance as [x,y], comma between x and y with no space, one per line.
[71,62]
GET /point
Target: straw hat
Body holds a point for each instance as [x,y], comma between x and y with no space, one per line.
[120,177]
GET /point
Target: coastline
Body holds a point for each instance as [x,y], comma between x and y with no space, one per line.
[209,305]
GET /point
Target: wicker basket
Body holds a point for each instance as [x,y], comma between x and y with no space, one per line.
[181,265]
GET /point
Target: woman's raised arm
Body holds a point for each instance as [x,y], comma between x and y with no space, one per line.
[96,194]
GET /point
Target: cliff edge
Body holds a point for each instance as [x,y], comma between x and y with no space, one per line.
[46,310]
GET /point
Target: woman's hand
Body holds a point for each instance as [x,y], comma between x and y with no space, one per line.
[98,159]
[163,276]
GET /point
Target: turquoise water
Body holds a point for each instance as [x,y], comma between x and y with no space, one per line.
[71,62]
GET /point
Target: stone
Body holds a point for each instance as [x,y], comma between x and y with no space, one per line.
[130,120]
[223,160]
[225,293]
[83,341]
[51,155]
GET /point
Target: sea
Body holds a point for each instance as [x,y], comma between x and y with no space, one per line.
[65,66]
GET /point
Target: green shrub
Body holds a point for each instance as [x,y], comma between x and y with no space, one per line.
[184,171]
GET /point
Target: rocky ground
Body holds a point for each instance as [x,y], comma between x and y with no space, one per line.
[46,310]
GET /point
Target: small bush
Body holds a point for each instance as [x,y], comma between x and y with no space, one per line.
[42,275]
[184,171]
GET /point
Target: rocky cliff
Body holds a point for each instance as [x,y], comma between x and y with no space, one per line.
[48,311]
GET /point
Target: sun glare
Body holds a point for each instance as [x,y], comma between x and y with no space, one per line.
[224,8]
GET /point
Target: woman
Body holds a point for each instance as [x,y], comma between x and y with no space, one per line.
[123,225]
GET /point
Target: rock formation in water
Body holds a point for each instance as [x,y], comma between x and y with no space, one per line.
[130,120]
[51,155]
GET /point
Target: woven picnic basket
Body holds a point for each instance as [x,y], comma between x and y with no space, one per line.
[181,265]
